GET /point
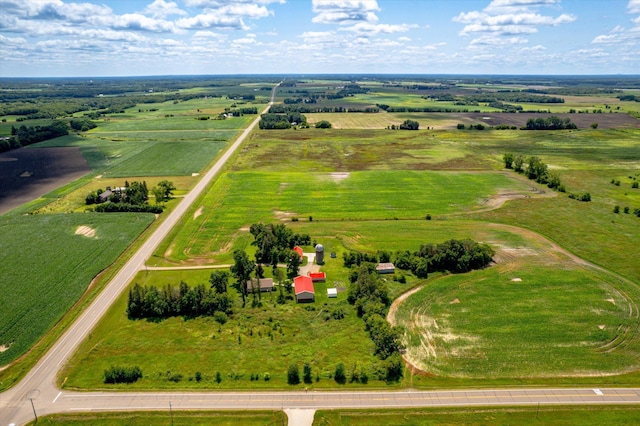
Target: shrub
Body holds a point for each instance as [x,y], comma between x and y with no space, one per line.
[616,209]
[339,376]
[307,377]
[267,377]
[460,126]
[122,375]
[293,375]
[218,377]
[220,317]
[323,124]
[634,185]
[198,376]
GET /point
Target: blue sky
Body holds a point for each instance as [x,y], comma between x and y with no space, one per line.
[174,37]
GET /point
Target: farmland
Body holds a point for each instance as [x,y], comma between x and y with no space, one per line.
[69,251]
[559,306]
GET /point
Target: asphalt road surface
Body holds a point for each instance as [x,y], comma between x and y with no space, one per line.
[37,392]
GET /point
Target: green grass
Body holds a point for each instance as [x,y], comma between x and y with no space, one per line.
[556,321]
[33,299]
[254,341]
[545,415]
[239,199]
[218,418]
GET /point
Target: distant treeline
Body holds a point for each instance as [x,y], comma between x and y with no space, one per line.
[311,108]
[549,123]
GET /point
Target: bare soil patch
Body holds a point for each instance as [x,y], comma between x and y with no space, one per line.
[48,169]
[339,176]
[86,231]
[197,213]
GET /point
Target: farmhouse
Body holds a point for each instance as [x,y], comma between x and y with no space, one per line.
[304,289]
[385,268]
[266,285]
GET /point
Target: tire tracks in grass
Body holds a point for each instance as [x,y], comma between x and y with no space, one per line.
[628,335]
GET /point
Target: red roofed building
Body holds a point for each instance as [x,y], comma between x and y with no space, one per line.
[318,277]
[299,250]
[304,289]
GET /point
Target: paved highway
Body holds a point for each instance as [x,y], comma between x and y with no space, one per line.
[38,391]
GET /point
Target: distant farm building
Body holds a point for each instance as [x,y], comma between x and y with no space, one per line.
[299,250]
[265,285]
[332,292]
[385,268]
[318,277]
[304,289]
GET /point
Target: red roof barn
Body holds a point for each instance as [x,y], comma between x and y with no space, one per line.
[299,250]
[304,289]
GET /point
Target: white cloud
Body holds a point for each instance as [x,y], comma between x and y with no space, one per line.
[510,17]
[211,20]
[344,11]
[163,9]
[367,28]
[633,6]
[138,22]
[490,40]
[214,4]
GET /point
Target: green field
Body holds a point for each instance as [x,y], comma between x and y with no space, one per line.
[219,418]
[239,199]
[33,299]
[552,416]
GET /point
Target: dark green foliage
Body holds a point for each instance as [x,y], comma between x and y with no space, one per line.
[508,160]
[307,376]
[456,255]
[385,337]
[152,302]
[274,242]
[634,185]
[410,125]
[339,376]
[219,281]
[218,377]
[29,135]
[549,123]
[241,270]
[460,126]
[281,121]
[394,368]
[352,258]
[616,209]
[198,376]
[122,375]
[127,208]
[323,124]
[82,124]
[586,197]
[293,375]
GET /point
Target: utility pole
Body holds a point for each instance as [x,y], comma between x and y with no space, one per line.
[34,409]
[171,411]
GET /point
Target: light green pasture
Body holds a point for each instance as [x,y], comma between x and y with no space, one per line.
[239,199]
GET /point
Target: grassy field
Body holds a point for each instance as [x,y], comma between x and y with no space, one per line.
[239,199]
[34,299]
[529,316]
[552,416]
[219,418]
[237,349]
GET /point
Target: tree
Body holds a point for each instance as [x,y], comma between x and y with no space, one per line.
[219,281]
[409,125]
[293,264]
[293,375]
[518,162]
[167,188]
[307,377]
[323,124]
[158,194]
[339,376]
[508,160]
[241,270]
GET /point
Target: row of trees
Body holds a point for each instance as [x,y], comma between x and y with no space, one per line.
[455,256]
[370,296]
[183,300]
[535,169]
[549,123]
[275,242]
[282,121]
[133,198]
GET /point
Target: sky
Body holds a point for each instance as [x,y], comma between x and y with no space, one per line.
[69,38]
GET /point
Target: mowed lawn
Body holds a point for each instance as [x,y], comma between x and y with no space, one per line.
[47,263]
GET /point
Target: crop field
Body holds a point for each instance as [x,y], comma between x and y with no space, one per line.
[239,199]
[551,416]
[69,250]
